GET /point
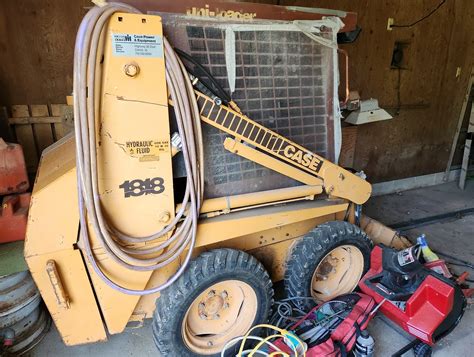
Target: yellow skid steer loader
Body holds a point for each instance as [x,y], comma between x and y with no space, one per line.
[114,239]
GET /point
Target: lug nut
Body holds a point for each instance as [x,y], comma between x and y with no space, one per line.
[211,293]
[226,305]
[215,317]
[203,316]
[209,344]
[224,294]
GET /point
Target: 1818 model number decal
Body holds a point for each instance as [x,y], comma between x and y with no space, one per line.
[137,187]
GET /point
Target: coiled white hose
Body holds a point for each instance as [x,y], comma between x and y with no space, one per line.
[116,244]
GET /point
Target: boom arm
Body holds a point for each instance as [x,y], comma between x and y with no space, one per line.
[336,181]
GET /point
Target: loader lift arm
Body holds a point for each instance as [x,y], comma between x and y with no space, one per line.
[273,150]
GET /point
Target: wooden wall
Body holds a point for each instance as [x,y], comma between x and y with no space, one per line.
[418,140]
[36,52]
[36,49]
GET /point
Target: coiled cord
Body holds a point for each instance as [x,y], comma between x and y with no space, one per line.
[116,244]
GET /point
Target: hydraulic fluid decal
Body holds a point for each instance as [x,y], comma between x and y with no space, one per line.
[146,150]
[137,45]
[138,187]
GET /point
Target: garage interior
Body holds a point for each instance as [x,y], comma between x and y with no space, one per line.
[399,73]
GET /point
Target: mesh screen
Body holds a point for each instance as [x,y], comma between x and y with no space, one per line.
[283,81]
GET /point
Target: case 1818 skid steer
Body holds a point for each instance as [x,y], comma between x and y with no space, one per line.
[106,241]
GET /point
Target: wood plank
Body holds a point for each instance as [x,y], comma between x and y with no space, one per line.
[60,130]
[348,145]
[39,110]
[25,137]
[470,128]
[460,120]
[5,131]
[20,111]
[43,136]
[66,113]
[43,132]
[465,163]
[32,120]
[57,110]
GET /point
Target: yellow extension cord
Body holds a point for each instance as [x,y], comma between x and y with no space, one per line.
[282,333]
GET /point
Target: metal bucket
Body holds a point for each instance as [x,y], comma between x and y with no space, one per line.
[22,312]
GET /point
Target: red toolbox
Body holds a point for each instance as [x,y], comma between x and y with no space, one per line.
[13,176]
[13,217]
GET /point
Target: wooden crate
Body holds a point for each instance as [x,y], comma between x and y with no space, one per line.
[36,127]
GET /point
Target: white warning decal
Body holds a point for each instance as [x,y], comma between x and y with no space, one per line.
[136,45]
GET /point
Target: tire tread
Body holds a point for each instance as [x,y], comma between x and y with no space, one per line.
[309,250]
[200,269]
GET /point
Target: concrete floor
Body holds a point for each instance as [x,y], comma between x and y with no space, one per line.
[454,237]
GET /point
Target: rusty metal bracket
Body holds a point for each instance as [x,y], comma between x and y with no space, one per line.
[58,288]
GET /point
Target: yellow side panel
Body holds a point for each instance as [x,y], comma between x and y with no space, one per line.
[52,230]
[81,322]
[238,224]
[133,152]
[53,219]
[266,233]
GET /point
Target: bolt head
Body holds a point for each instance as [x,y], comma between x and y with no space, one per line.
[226,305]
[224,294]
[216,317]
[131,69]
[209,343]
[211,293]
[164,217]
[203,316]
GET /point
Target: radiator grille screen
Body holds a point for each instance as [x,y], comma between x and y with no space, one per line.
[283,81]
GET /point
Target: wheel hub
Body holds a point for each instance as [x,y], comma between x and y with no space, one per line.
[223,311]
[210,308]
[338,272]
[325,268]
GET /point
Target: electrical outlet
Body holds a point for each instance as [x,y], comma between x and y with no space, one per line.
[390,23]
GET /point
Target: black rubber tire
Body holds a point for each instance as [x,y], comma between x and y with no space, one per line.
[422,350]
[207,269]
[308,252]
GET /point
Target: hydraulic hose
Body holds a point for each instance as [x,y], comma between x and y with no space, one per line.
[117,245]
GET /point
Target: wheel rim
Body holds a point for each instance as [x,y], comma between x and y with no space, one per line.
[338,273]
[220,313]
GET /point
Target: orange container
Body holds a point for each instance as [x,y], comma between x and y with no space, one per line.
[13,176]
[13,217]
